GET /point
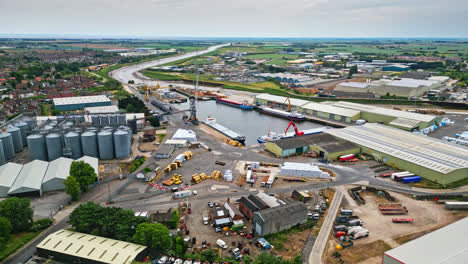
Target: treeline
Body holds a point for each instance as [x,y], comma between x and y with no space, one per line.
[133,105]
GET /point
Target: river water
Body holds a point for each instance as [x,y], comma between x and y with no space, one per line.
[250,124]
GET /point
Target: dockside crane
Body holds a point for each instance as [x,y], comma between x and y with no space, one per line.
[298,133]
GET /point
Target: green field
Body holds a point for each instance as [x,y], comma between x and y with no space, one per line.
[16,241]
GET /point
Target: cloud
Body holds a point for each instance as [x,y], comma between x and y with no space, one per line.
[251,18]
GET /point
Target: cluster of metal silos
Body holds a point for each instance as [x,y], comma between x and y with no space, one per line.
[14,139]
[108,120]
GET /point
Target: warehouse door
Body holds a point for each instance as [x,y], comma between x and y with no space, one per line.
[343,118]
[258,229]
[299,150]
[314,112]
[332,116]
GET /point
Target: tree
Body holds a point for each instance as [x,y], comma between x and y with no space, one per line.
[180,247]
[154,121]
[352,70]
[130,109]
[5,230]
[83,173]
[19,212]
[72,188]
[209,255]
[154,235]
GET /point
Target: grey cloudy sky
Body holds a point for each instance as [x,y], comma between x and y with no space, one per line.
[237,18]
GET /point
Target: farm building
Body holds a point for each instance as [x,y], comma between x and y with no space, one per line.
[8,174]
[73,247]
[279,218]
[399,119]
[56,174]
[29,180]
[427,157]
[448,244]
[330,112]
[80,102]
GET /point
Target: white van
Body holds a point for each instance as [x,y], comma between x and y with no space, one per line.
[221,244]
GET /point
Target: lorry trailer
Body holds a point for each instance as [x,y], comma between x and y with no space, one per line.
[402,220]
[411,179]
[346,212]
[181,194]
[400,175]
[396,212]
[346,157]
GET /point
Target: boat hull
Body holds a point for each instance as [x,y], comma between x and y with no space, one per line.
[280,115]
[241,106]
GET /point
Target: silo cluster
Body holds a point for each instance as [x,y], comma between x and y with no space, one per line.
[108,138]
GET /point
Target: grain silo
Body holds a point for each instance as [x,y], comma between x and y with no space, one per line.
[2,155]
[24,128]
[60,119]
[95,120]
[17,139]
[73,141]
[37,147]
[113,120]
[106,145]
[46,129]
[89,144]
[104,119]
[122,120]
[79,119]
[122,148]
[130,134]
[54,146]
[8,148]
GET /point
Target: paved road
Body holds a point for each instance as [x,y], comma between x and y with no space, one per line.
[315,256]
[127,73]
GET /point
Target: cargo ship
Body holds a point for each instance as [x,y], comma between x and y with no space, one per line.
[242,105]
[272,136]
[295,116]
[211,122]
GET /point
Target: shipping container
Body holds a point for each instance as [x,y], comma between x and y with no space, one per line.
[456,205]
[402,220]
[346,212]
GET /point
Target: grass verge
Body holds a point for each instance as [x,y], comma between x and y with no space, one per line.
[15,242]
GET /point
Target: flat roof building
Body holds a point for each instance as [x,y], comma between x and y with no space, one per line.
[80,102]
[427,157]
[8,174]
[29,180]
[110,109]
[447,245]
[73,247]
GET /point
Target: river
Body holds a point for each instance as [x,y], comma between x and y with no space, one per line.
[250,124]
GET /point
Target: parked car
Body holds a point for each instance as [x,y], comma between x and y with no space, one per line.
[218,229]
[197,261]
[210,204]
[237,201]
[221,244]
[216,204]
[187,239]
[236,253]
[194,192]
[163,260]
[178,261]
[188,261]
[205,220]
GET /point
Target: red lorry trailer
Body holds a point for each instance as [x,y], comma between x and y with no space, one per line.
[402,220]
[347,157]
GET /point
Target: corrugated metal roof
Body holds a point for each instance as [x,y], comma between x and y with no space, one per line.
[268,200]
[281,99]
[102,109]
[330,109]
[404,122]
[424,151]
[384,111]
[448,245]
[355,84]
[30,177]
[81,100]
[91,247]
[59,168]
[94,162]
[8,173]
[279,211]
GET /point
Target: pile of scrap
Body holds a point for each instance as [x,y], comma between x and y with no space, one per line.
[393,209]
[199,178]
[311,154]
[233,143]
[330,172]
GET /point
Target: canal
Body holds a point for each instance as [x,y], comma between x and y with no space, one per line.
[250,124]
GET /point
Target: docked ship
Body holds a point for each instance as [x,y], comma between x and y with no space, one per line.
[295,116]
[211,122]
[242,105]
[272,136]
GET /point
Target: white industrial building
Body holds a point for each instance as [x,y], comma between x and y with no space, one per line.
[448,245]
[302,170]
[38,176]
[184,134]
[109,109]
[8,174]
[56,174]
[29,180]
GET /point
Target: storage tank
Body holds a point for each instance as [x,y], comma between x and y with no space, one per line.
[37,147]
[122,119]
[46,129]
[73,141]
[8,148]
[130,134]
[104,119]
[106,145]
[24,128]
[60,119]
[31,123]
[2,155]
[54,146]
[79,119]
[95,120]
[17,139]
[89,144]
[113,120]
[122,148]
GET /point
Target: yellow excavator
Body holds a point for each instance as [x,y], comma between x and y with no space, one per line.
[289,103]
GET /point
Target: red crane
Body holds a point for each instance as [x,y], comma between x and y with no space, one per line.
[298,133]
